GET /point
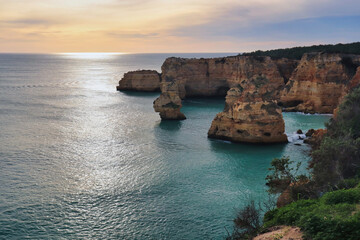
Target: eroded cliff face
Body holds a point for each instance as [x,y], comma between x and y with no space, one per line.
[141,80]
[252,122]
[169,103]
[254,83]
[215,76]
[319,82]
[254,87]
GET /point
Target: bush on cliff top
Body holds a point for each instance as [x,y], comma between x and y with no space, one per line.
[336,215]
[298,52]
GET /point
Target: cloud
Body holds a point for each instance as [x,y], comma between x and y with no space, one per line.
[30,21]
[180,24]
[131,35]
[324,21]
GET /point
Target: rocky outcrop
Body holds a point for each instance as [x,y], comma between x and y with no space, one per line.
[251,113]
[252,122]
[141,80]
[169,102]
[215,76]
[355,81]
[314,137]
[281,232]
[319,82]
[254,87]
[254,83]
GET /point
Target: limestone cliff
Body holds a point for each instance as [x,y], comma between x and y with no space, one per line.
[169,102]
[254,83]
[252,122]
[141,80]
[355,81]
[255,88]
[215,76]
[319,82]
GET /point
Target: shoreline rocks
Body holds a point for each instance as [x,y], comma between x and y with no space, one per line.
[314,137]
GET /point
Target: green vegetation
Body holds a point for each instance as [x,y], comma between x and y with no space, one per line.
[247,223]
[284,177]
[297,52]
[336,215]
[338,155]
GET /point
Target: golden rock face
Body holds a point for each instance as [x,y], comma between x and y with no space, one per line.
[253,122]
[256,90]
[142,80]
[319,82]
[246,81]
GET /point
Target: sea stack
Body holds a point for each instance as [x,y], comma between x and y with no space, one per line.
[251,122]
[169,102]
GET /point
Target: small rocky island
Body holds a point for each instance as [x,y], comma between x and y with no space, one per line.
[257,90]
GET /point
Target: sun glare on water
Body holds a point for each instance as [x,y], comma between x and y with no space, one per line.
[92,55]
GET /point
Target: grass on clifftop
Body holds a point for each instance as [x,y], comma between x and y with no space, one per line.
[298,52]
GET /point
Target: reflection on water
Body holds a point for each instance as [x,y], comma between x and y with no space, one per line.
[170,125]
[80,160]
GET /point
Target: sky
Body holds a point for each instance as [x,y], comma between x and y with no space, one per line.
[149,26]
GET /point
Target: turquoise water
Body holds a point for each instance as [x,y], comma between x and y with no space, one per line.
[79,160]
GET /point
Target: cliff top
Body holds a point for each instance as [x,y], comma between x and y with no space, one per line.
[298,52]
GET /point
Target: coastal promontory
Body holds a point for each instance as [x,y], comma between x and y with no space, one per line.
[140,80]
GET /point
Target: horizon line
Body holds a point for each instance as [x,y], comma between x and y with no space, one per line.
[115,53]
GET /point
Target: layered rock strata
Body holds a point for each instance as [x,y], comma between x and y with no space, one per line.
[252,122]
[319,82]
[215,76]
[141,80]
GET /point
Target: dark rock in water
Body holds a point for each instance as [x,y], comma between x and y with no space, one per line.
[310,133]
[316,137]
[301,138]
[297,144]
[299,131]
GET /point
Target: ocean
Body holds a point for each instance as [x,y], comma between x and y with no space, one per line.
[79,160]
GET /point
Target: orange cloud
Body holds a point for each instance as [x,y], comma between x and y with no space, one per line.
[148,25]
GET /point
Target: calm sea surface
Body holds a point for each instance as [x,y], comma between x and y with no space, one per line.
[79,160]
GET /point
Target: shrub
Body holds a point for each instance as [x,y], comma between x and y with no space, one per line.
[247,222]
[348,183]
[282,175]
[285,178]
[333,216]
[342,196]
[338,155]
